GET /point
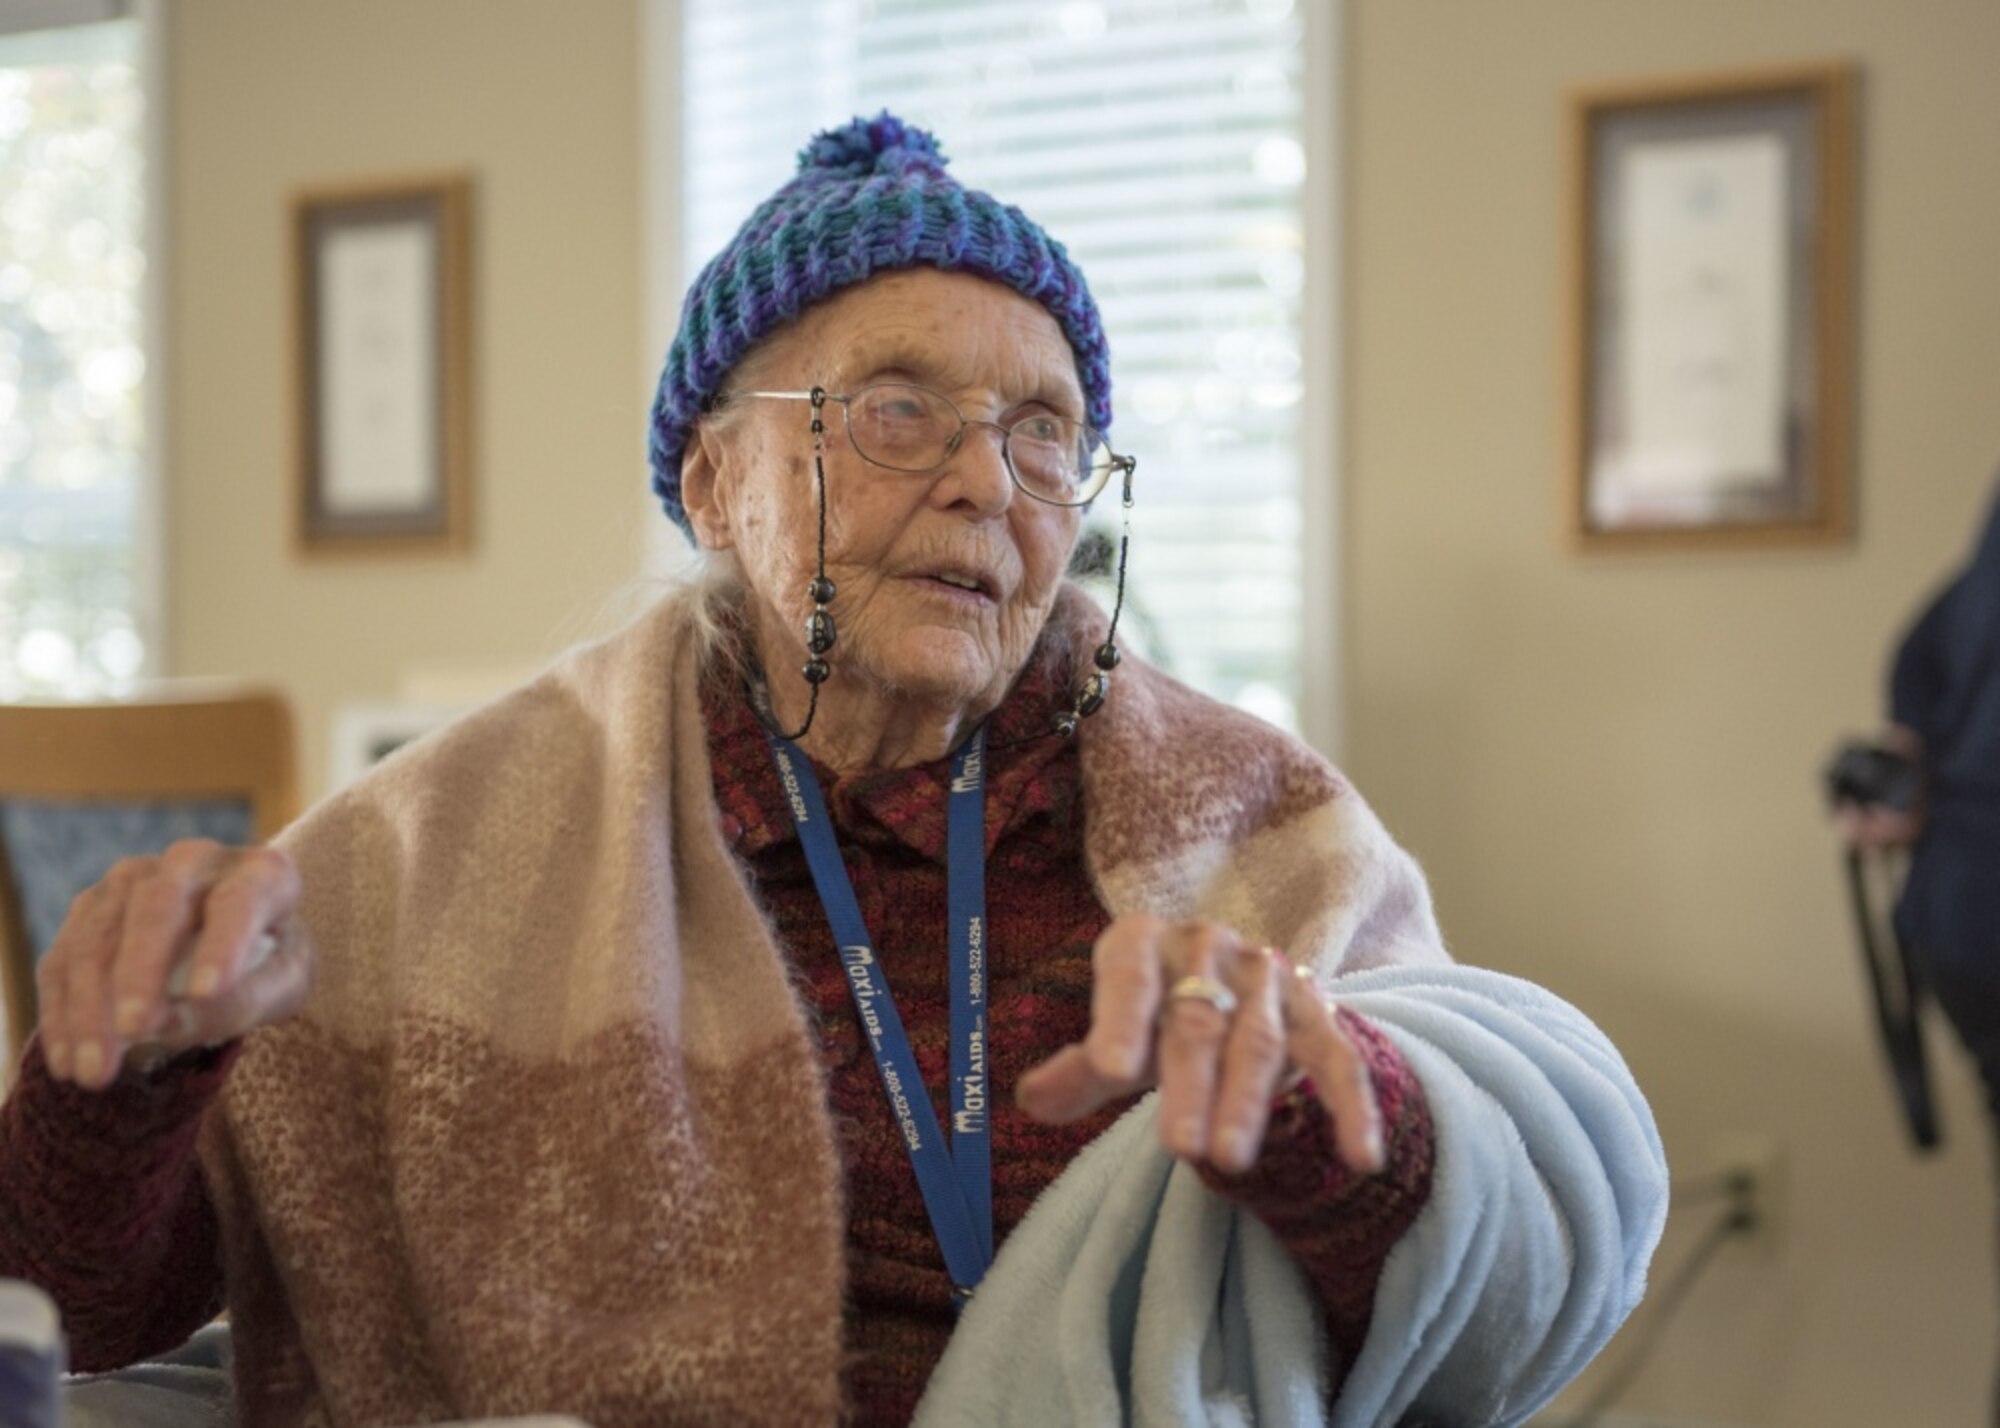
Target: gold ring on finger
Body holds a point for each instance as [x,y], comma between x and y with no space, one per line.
[1203,989]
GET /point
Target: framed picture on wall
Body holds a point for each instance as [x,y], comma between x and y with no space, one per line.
[381,350]
[364,734]
[1713,346]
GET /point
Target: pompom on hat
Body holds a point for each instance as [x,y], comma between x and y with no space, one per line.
[869,197]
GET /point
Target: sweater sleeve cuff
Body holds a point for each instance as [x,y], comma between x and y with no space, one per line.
[1299,1165]
[137,1112]
[102,1203]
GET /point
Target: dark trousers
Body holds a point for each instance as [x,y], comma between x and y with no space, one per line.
[1950,920]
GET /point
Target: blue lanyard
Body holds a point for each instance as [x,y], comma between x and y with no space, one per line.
[957,1184]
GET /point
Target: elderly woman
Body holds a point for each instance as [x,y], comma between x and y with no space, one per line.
[742,1023]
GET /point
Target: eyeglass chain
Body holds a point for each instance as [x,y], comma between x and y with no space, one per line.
[821,631]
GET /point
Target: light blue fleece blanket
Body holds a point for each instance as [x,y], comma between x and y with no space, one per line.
[1131,1295]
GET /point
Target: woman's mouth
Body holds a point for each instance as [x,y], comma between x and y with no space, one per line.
[958,586]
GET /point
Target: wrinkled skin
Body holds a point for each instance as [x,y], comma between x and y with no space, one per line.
[915,663]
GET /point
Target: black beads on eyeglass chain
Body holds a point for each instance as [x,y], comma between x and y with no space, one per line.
[820,631]
[1106,657]
[816,671]
[1091,698]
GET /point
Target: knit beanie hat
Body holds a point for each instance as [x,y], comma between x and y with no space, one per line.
[870,197]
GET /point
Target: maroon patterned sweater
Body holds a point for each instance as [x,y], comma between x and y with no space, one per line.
[102,1203]
[1043,917]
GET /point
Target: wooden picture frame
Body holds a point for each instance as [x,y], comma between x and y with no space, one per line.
[381,351]
[1712,340]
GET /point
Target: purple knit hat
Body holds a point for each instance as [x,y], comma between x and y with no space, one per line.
[870,197]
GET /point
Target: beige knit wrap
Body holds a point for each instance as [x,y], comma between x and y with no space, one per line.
[552,1133]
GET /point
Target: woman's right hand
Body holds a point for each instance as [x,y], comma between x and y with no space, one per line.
[104,984]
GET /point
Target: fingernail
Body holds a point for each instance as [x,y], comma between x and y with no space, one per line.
[204,984]
[89,1061]
[56,1053]
[1233,1146]
[1187,1135]
[1371,1145]
[132,1016]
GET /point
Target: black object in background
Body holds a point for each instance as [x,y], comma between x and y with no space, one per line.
[1870,775]
[1866,775]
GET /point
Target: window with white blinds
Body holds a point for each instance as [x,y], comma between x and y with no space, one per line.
[74,609]
[1160,141]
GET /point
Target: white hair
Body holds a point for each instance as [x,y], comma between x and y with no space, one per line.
[718,619]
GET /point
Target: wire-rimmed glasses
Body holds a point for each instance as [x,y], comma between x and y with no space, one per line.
[903,427]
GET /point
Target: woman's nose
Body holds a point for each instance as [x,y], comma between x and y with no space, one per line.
[975,470]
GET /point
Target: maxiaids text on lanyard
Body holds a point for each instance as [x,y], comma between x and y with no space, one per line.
[957,1184]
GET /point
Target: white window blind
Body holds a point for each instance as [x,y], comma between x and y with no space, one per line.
[21,16]
[1160,141]
[72,368]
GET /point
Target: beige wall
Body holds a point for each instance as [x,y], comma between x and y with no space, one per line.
[539,103]
[1608,764]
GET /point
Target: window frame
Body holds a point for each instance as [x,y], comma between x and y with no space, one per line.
[152,609]
[22,17]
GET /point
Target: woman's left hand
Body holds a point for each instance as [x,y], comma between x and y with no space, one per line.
[1221,1027]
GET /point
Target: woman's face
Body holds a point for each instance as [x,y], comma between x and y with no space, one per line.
[900,547]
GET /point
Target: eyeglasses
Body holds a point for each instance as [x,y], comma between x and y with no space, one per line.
[906,428]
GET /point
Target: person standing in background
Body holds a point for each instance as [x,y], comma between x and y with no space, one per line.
[1944,704]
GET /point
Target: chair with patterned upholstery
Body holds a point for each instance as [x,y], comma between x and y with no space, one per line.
[83,785]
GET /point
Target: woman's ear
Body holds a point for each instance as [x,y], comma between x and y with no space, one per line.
[704,493]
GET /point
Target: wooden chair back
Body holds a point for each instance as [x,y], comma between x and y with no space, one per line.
[176,744]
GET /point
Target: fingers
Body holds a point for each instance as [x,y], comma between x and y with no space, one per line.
[1253,1062]
[1858,827]
[1217,1067]
[263,992]
[51,999]
[1873,826]
[162,913]
[1067,1087]
[259,892]
[75,1014]
[1896,827]
[1191,1039]
[1125,997]
[105,983]
[1318,1046]
[1116,1058]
